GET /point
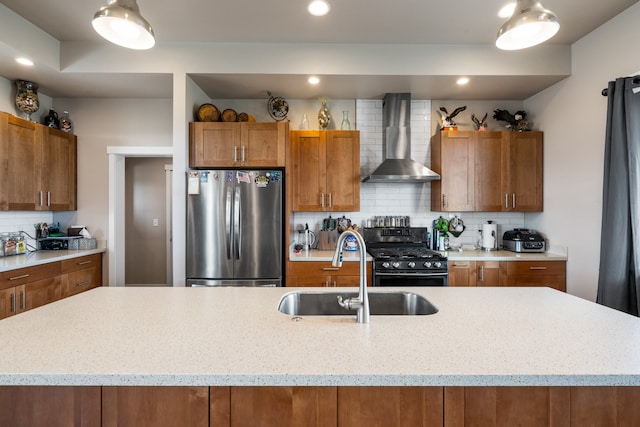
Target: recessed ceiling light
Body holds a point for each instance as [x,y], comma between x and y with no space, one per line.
[318,7]
[462,80]
[24,61]
[507,10]
[314,80]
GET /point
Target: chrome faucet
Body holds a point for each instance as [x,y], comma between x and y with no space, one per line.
[361,303]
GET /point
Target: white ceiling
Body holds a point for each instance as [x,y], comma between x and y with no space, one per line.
[371,22]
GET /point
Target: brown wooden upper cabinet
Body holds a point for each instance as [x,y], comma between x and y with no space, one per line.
[490,171]
[323,169]
[37,166]
[233,144]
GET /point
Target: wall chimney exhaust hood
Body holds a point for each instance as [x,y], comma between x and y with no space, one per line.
[397,165]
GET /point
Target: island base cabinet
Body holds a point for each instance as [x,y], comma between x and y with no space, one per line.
[28,406]
[390,406]
[273,406]
[155,406]
[541,406]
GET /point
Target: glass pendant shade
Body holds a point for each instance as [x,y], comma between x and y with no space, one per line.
[120,22]
[530,24]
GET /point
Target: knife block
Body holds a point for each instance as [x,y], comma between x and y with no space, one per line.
[327,240]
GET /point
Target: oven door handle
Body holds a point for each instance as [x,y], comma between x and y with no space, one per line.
[412,274]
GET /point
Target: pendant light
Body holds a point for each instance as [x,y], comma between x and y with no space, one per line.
[120,22]
[530,24]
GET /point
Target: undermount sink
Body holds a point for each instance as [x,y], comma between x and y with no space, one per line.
[380,303]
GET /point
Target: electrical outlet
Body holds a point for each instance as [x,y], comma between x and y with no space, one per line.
[155,222]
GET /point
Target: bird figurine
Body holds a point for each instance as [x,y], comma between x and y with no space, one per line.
[479,124]
[515,121]
[447,119]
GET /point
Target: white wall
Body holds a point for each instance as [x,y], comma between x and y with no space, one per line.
[573,116]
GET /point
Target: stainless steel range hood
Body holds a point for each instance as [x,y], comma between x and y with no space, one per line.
[397,165]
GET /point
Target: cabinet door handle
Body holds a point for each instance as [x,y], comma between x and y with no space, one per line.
[84,262]
[40,196]
[335,284]
[330,268]
[23,300]
[235,153]
[13,302]
[456,265]
[48,198]
[19,277]
[326,283]
[513,200]
[244,159]
[444,200]
[84,283]
[537,268]
[506,200]
[482,273]
[330,201]
[322,200]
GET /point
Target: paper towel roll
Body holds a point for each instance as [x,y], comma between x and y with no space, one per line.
[489,237]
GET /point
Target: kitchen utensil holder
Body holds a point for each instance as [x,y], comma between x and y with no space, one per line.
[327,240]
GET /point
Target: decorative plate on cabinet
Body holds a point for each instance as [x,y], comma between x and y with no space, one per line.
[277,107]
[208,113]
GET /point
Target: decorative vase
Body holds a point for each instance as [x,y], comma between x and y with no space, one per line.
[324,118]
[65,123]
[27,97]
[345,121]
[52,120]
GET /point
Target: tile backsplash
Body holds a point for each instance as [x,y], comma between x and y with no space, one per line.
[411,199]
[24,221]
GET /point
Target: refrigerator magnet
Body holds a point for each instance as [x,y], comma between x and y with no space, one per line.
[193,183]
[262,181]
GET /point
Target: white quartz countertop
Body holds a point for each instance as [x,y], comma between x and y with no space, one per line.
[236,336]
[503,255]
[31,259]
[317,255]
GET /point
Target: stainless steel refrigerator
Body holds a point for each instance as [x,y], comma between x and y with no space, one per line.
[235,227]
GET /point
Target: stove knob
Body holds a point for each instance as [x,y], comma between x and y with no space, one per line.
[385,264]
[427,264]
[438,264]
[396,265]
[411,264]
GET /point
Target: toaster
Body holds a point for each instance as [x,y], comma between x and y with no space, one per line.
[524,240]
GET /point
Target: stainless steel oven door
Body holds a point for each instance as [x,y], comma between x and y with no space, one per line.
[410,279]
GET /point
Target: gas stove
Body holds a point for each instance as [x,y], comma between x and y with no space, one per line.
[401,257]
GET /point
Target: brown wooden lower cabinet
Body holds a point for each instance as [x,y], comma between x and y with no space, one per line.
[390,406]
[155,406]
[263,406]
[29,406]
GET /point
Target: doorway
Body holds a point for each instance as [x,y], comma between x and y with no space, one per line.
[147,216]
[116,242]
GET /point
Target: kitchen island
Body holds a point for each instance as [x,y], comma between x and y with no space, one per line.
[217,343]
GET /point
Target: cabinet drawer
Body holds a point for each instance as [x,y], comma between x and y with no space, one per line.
[312,268]
[79,281]
[29,274]
[535,267]
[80,263]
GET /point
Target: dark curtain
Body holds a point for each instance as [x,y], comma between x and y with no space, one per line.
[619,281]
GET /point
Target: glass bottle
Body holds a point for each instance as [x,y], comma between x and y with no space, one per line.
[304,124]
[27,97]
[65,123]
[345,121]
[324,118]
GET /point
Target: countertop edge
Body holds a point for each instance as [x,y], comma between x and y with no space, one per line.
[31,259]
[316,380]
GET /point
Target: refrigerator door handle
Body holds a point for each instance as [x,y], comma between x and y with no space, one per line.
[227,219]
[236,223]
